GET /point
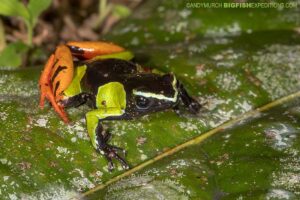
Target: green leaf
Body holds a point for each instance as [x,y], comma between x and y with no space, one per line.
[254,159]
[14,8]
[36,7]
[230,60]
[10,57]
[121,11]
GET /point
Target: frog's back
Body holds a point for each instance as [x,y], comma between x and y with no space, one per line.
[101,72]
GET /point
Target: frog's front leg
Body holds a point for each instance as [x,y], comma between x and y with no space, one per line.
[100,137]
[192,105]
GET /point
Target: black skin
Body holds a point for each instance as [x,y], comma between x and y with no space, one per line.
[114,70]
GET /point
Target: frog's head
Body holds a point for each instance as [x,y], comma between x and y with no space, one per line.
[152,93]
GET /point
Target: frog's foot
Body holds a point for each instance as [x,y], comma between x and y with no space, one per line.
[111,152]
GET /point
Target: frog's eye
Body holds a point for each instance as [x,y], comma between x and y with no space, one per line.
[142,102]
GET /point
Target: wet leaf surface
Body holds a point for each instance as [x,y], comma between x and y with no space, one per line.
[232,61]
[255,159]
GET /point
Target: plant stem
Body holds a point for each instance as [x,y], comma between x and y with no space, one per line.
[2,36]
[103,11]
[29,33]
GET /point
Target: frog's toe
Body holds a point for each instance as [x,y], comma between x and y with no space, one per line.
[116,156]
[110,164]
[115,148]
[194,107]
[111,152]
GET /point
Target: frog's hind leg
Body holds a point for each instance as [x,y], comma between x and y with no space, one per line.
[46,90]
[44,83]
[97,50]
[56,77]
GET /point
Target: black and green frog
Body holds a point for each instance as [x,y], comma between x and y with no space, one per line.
[114,87]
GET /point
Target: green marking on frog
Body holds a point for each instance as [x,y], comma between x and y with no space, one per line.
[75,86]
[111,95]
[124,55]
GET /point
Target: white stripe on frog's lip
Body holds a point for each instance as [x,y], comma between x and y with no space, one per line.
[160,96]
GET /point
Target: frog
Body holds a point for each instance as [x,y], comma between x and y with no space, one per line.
[105,77]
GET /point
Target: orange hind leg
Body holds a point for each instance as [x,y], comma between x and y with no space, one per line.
[87,50]
[56,76]
[58,71]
